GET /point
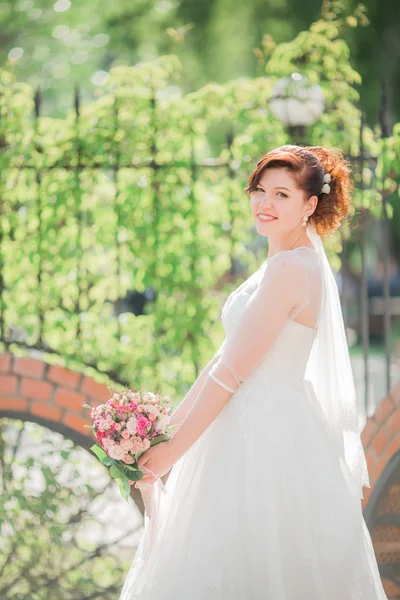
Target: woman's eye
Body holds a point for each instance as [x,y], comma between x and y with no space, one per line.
[258,189]
[283,194]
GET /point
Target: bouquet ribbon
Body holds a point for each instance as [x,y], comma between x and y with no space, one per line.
[147,491]
[151,514]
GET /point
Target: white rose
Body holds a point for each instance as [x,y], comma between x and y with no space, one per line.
[163,421]
[131,425]
[150,408]
[145,444]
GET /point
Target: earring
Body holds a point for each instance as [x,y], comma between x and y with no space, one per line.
[305,219]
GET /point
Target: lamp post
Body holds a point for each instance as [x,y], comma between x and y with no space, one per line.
[296,103]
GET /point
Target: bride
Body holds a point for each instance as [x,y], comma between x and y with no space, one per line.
[263,499]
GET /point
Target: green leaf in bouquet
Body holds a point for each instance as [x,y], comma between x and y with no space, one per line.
[125,488]
[131,468]
[122,481]
[135,475]
[116,473]
[139,454]
[119,468]
[99,452]
[160,438]
[108,461]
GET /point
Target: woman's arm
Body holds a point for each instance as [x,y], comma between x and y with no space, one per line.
[181,411]
[282,289]
[260,324]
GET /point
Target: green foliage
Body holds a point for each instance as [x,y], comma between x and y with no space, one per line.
[63,47]
[323,57]
[124,195]
[214,39]
[54,540]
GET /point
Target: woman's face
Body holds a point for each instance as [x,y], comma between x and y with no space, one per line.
[278,196]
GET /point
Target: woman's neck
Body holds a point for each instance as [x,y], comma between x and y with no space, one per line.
[301,239]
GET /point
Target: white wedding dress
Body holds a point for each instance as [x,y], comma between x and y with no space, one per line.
[262,506]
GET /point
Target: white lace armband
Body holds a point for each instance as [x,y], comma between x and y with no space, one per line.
[218,366]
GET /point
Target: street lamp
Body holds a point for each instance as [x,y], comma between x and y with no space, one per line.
[296,103]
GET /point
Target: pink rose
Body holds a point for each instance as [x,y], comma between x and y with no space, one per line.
[116,452]
[104,425]
[100,435]
[125,434]
[126,444]
[136,447]
[152,417]
[140,446]
[107,443]
[145,444]
[128,459]
[143,425]
[118,426]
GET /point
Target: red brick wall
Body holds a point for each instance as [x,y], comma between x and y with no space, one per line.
[381,441]
[33,390]
[381,437]
[50,395]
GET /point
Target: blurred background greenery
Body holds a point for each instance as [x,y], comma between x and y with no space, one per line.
[56,44]
[125,225]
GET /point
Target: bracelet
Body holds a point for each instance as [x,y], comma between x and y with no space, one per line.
[232,370]
[226,387]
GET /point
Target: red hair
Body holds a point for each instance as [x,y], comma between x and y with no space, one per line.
[309,164]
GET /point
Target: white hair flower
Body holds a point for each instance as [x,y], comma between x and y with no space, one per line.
[326,188]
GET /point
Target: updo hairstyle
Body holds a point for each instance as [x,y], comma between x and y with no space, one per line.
[308,165]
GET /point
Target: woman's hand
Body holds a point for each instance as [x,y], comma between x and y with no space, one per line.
[160,459]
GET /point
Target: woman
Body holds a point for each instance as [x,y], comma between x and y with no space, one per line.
[263,500]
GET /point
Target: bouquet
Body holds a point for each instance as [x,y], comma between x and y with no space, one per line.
[127,425]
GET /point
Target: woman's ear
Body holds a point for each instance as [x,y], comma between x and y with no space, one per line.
[312,204]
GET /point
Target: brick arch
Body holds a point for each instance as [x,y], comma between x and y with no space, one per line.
[381,438]
[50,395]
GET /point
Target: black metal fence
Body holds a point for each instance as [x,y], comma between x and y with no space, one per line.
[81,167]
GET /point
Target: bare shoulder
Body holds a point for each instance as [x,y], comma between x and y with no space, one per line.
[285,262]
